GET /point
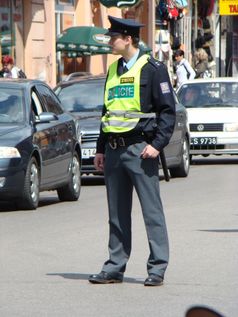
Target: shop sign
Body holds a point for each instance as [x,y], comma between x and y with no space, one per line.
[228,7]
[119,3]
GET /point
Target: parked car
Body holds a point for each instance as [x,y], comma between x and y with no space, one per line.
[83,97]
[76,74]
[212,106]
[39,147]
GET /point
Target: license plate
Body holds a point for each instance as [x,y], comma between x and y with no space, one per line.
[87,153]
[204,141]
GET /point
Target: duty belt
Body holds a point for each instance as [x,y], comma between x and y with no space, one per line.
[119,141]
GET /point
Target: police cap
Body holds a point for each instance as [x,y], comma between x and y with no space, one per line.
[123,26]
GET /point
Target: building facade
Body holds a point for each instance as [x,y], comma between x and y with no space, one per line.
[29,30]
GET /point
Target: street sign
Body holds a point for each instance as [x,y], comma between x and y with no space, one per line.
[228,7]
[119,3]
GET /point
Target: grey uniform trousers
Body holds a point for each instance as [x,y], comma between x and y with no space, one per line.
[124,170]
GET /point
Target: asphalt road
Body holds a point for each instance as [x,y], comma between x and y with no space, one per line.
[47,255]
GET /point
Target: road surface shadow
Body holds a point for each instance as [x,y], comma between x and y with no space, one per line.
[44,201]
[91,180]
[82,276]
[214,160]
[7,206]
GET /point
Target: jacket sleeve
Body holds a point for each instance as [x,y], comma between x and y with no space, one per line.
[164,104]
[102,139]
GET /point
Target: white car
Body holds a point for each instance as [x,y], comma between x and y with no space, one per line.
[212,106]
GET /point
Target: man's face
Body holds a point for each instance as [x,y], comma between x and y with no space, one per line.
[7,67]
[119,43]
[191,94]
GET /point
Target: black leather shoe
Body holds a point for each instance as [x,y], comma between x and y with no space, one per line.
[154,280]
[106,278]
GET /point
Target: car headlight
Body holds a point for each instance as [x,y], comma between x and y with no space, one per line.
[231,127]
[9,152]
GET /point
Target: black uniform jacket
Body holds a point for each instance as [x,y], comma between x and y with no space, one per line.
[156,95]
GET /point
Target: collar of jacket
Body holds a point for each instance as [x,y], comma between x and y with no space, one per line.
[120,63]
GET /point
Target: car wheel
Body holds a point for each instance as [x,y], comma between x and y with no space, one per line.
[183,169]
[31,190]
[71,191]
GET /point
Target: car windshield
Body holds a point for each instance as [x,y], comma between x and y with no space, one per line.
[210,94]
[11,105]
[82,97]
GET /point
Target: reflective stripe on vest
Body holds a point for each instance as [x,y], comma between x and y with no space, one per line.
[122,98]
[131,115]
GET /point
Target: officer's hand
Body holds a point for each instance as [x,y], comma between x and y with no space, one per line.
[149,152]
[99,162]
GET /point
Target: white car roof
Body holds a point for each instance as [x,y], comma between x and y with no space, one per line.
[211,80]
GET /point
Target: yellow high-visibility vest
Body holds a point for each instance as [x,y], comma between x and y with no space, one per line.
[122,98]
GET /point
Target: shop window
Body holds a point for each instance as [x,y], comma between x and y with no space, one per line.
[11,29]
[64,5]
[65,2]
[63,20]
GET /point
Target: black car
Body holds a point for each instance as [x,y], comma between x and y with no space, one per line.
[39,144]
[84,96]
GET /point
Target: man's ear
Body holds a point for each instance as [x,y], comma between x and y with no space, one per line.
[128,39]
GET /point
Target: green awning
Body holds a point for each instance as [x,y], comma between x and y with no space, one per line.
[86,41]
[119,3]
[83,40]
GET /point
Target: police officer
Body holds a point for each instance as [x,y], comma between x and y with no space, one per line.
[137,122]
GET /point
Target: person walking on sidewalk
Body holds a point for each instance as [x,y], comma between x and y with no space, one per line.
[201,64]
[184,70]
[137,122]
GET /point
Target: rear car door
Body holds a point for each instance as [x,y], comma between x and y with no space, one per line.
[63,134]
[44,138]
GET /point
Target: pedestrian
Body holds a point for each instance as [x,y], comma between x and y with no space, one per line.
[137,122]
[201,64]
[9,70]
[184,70]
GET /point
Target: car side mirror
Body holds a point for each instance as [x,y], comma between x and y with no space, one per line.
[45,117]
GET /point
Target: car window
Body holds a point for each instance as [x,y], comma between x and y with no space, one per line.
[209,94]
[50,100]
[11,105]
[175,98]
[35,104]
[82,96]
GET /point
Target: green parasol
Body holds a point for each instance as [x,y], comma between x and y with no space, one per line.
[83,40]
[87,40]
[119,3]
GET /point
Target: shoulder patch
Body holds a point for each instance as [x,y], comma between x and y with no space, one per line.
[165,87]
